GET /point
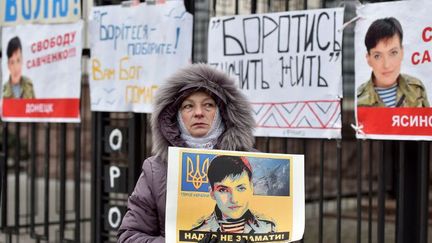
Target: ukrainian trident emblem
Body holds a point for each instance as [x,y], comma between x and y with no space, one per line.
[197,172]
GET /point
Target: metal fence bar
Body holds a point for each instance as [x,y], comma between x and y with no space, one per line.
[370,191]
[400,219]
[77,183]
[304,144]
[46,176]
[62,212]
[145,124]
[94,159]
[33,175]
[134,170]
[285,145]
[8,237]
[214,8]
[359,188]
[381,194]
[96,175]
[253,6]
[424,192]
[236,7]
[321,194]
[32,179]
[46,222]
[339,189]
[17,175]
[3,169]
[267,144]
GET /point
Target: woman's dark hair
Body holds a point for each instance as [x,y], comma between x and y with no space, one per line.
[13,45]
[223,166]
[382,29]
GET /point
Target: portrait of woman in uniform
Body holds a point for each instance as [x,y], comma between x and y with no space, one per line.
[387,86]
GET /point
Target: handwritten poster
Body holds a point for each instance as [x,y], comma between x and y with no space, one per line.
[288,64]
[133,49]
[13,12]
[392,77]
[41,78]
[234,195]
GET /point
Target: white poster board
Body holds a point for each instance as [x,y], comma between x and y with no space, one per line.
[270,200]
[400,122]
[49,66]
[13,12]
[289,66]
[133,49]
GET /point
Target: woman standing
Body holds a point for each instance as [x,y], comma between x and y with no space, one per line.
[198,107]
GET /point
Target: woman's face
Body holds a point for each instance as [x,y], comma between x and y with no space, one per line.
[15,66]
[385,59]
[233,194]
[198,111]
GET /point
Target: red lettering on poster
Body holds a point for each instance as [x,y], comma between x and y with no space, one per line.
[51,58]
[395,121]
[420,57]
[41,108]
[55,41]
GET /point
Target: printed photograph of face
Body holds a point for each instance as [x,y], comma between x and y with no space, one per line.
[387,86]
[232,195]
[18,85]
[231,187]
[15,66]
[385,59]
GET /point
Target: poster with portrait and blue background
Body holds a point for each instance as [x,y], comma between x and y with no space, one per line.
[234,195]
[270,176]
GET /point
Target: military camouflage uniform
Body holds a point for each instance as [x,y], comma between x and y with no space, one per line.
[27,91]
[410,93]
[253,224]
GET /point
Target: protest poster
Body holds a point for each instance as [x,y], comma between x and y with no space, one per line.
[234,195]
[41,78]
[14,12]
[390,64]
[133,50]
[289,66]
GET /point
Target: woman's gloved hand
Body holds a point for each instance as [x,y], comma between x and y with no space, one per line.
[208,239]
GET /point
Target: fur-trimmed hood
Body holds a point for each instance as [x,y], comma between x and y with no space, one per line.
[235,109]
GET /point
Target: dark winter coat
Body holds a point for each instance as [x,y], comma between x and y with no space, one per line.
[145,218]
